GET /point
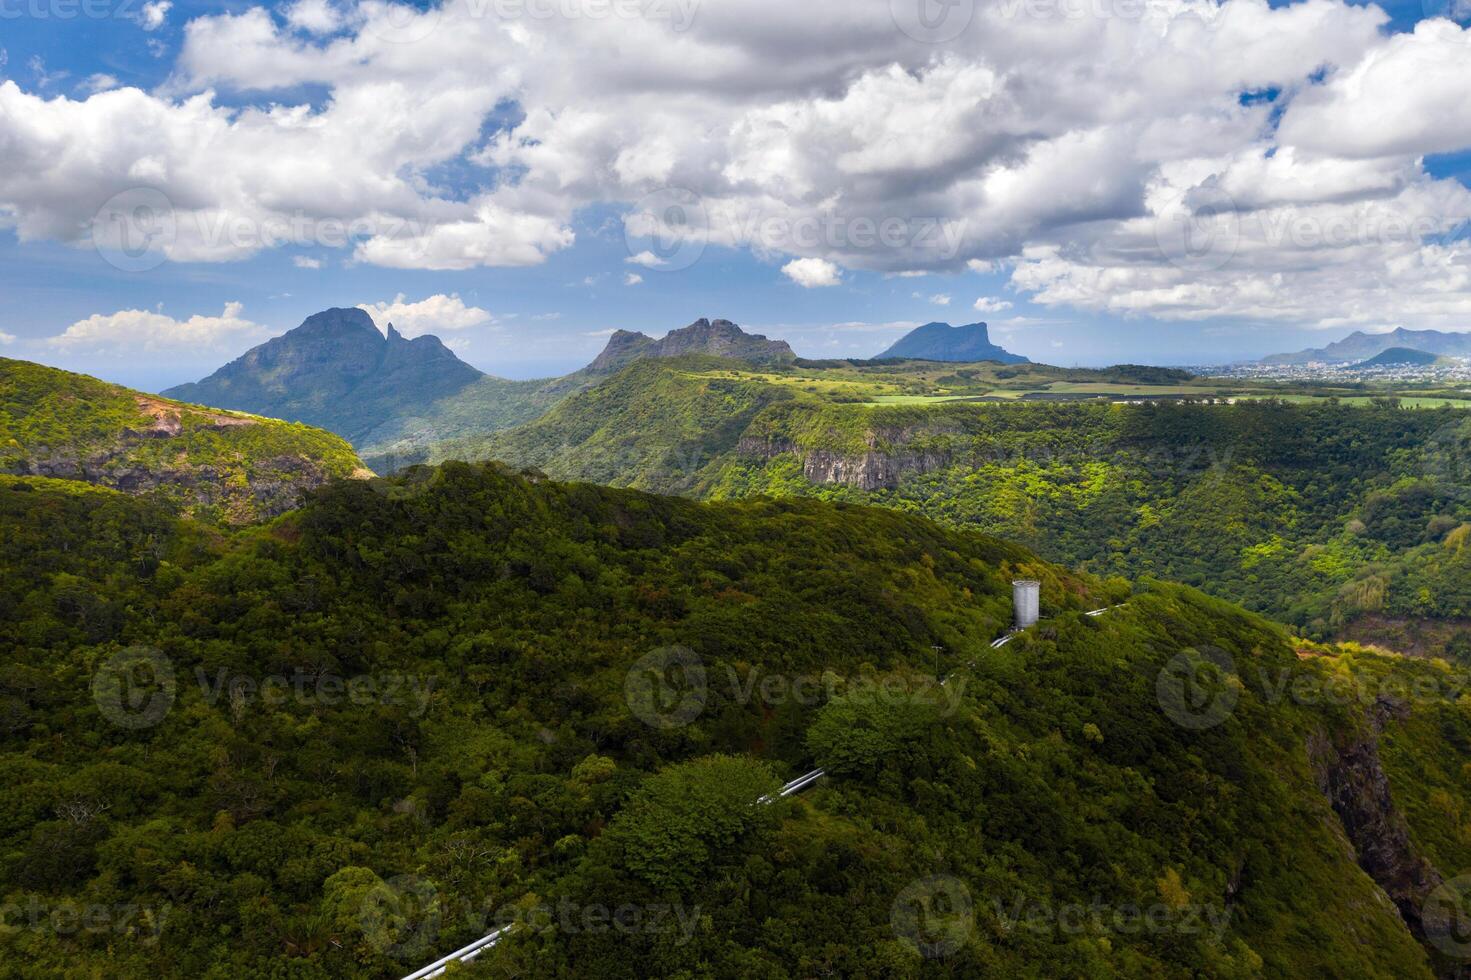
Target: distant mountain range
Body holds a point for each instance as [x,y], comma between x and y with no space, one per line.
[942,342]
[1360,346]
[393,398]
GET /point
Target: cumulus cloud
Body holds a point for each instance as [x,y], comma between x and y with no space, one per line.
[306,262]
[6,338]
[154,14]
[133,331]
[1087,154]
[812,273]
[431,315]
[632,279]
[314,16]
[990,304]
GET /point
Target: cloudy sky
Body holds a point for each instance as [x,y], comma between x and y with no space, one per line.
[1164,180]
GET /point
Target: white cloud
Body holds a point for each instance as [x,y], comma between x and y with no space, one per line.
[134,331]
[812,273]
[432,315]
[314,16]
[632,279]
[6,338]
[100,83]
[306,262]
[940,299]
[990,304]
[1072,144]
[154,14]
[646,259]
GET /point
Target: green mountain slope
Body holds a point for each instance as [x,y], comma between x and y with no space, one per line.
[1321,515]
[351,741]
[216,465]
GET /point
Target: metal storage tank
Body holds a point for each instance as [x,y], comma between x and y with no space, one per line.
[1026,598]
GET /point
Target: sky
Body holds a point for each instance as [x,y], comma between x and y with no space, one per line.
[1157,181]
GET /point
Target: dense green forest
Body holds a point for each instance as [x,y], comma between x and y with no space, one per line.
[214,465]
[1343,520]
[357,737]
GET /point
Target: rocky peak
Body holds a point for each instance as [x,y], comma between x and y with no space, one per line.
[721,338]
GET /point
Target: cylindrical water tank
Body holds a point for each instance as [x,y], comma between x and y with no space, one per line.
[1026,598]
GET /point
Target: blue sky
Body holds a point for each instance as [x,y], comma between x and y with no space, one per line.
[1056,270]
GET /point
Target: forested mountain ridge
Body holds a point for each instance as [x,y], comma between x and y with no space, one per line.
[225,466]
[497,762]
[1321,515]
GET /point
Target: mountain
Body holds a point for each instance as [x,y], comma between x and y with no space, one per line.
[211,464]
[942,342]
[719,338]
[420,708]
[394,398]
[1360,346]
[336,371]
[1400,356]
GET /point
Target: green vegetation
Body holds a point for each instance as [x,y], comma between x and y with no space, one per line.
[214,465]
[1322,514]
[510,774]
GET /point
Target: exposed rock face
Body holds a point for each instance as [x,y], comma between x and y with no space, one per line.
[875,469]
[718,337]
[335,371]
[942,342]
[1353,778]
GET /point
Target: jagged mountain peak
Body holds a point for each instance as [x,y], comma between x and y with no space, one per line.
[722,338]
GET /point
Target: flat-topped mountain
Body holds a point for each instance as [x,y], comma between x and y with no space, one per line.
[720,338]
[1360,346]
[942,342]
[336,371]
